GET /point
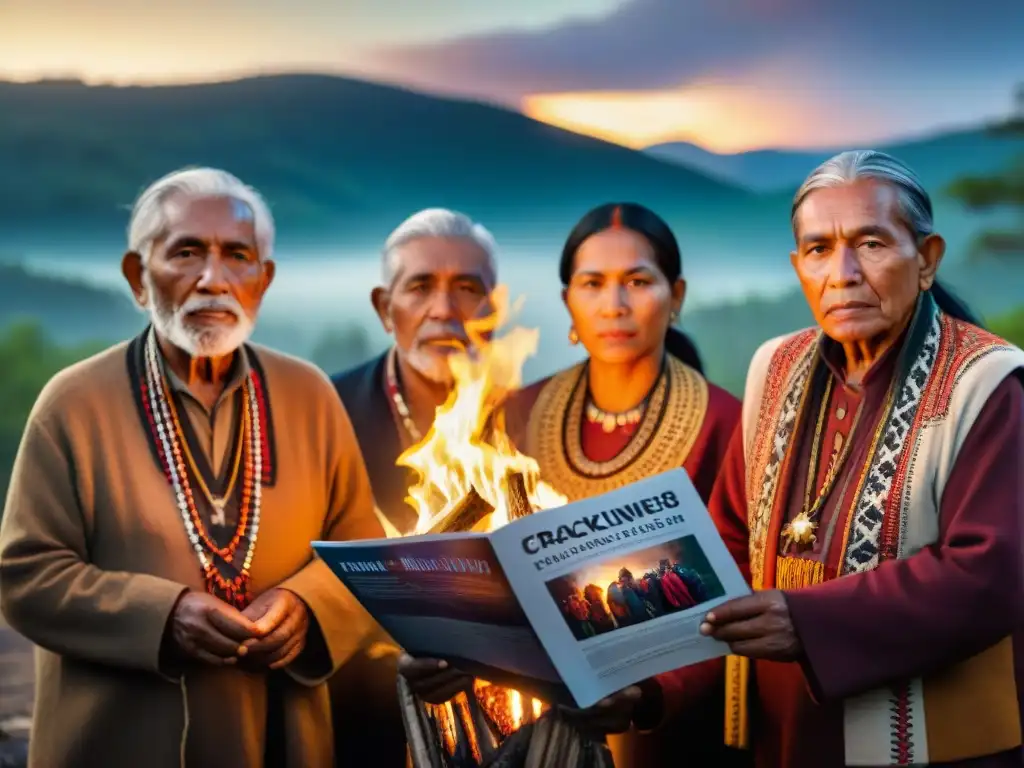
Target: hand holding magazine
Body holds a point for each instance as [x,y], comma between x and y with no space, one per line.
[584,600]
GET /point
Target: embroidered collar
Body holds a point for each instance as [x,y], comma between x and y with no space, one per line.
[791,378]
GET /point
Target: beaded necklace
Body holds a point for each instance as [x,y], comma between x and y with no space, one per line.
[609,421]
[217,562]
[394,391]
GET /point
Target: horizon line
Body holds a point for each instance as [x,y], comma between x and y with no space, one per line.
[227,77]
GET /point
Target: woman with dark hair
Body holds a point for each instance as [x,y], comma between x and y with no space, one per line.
[638,406]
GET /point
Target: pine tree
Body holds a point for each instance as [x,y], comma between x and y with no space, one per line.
[999,191]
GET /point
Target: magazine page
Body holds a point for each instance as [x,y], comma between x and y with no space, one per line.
[446,596]
[616,586]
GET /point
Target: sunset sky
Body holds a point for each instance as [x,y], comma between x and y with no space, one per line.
[726,74]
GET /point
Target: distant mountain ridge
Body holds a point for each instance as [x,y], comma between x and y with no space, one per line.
[72,311]
[938,159]
[332,154]
[342,161]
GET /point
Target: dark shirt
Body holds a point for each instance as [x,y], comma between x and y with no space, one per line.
[362,391]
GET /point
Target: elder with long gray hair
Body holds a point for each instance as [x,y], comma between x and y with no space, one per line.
[875,497]
[155,545]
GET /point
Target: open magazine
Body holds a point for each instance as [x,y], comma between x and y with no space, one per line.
[570,604]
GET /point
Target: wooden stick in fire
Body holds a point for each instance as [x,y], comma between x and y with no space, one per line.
[512,753]
[516,497]
[423,750]
[470,510]
[557,744]
[484,735]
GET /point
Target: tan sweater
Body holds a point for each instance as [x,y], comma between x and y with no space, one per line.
[94,555]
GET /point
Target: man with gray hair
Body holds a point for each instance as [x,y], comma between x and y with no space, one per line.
[875,497]
[438,269]
[155,545]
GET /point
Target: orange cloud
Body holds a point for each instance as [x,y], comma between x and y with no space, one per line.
[719,117]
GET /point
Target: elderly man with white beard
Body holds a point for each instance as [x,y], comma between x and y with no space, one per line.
[155,544]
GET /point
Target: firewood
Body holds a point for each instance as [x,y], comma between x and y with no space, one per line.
[512,753]
[464,515]
[420,733]
[484,735]
[516,497]
[557,744]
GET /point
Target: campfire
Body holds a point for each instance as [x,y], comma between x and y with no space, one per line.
[471,477]
[467,463]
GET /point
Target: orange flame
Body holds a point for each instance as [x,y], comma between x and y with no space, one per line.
[467,449]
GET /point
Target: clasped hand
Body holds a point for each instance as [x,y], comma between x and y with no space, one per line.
[757,626]
[436,682]
[269,634]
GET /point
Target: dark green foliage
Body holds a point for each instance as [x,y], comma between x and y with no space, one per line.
[1001,190]
[1010,326]
[28,359]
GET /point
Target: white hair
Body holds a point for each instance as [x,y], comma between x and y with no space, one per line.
[435,222]
[149,215]
[914,204]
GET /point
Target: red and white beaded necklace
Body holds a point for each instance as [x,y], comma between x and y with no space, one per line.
[170,443]
[394,391]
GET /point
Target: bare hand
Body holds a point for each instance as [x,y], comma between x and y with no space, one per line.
[611,715]
[206,628]
[432,680]
[757,626]
[281,620]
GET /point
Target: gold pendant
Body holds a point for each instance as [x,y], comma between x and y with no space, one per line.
[800,530]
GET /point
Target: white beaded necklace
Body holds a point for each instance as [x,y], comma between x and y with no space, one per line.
[394,391]
[171,450]
[609,421]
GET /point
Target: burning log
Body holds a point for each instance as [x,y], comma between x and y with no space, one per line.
[517,498]
[462,733]
[464,515]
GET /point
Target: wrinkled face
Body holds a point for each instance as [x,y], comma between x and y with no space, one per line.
[619,300]
[438,285]
[204,281]
[859,265]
